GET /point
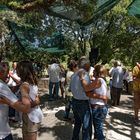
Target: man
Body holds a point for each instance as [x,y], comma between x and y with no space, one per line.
[136,91]
[8,98]
[54,78]
[80,103]
[117,82]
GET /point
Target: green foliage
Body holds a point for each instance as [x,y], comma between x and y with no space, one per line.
[116,34]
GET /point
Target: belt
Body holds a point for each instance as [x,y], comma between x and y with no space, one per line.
[97,106]
[80,100]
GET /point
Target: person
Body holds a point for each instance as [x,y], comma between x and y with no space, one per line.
[117,83]
[8,98]
[62,80]
[80,103]
[13,83]
[14,80]
[98,99]
[136,91]
[126,80]
[54,78]
[31,120]
[73,67]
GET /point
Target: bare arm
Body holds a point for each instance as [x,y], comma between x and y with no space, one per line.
[19,106]
[36,102]
[2,101]
[97,96]
[25,105]
[88,86]
[91,86]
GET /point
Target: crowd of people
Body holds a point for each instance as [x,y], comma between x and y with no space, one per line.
[84,88]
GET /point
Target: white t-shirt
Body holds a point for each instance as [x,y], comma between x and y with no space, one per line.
[54,72]
[11,82]
[117,77]
[4,109]
[102,90]
[35,114]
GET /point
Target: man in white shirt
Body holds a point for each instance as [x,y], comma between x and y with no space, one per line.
[54,78]
[8,98]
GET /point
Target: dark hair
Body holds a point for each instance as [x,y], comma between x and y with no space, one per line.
[54,60]
[26,72]
[72,64]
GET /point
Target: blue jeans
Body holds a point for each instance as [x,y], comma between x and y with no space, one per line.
[9,137]
[82,116]
[51,86]
[98,116]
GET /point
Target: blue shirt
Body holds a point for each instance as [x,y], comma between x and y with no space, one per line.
[77,88]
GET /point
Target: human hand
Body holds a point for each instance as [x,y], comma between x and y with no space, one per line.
[81,74]
[10,73]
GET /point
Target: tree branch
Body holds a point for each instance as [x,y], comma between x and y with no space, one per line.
[27,7]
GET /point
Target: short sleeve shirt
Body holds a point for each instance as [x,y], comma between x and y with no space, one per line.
[4,125]
[77,88]
[54,73]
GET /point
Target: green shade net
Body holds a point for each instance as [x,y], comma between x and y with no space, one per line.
[103,6]
[97,9]
[134,8]
[25,36]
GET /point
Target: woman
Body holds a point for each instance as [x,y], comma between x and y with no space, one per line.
[31,120]
[98,100]
[73,67]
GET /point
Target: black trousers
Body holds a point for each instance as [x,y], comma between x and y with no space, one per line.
[115,95]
